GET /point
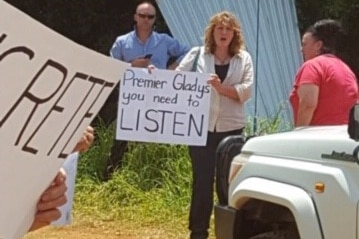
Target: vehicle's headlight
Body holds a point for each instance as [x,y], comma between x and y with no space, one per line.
[236,165]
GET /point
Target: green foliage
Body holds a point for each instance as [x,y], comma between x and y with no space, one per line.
[268,125]
[93,162]
[152,186]
[346,11]
[157,164]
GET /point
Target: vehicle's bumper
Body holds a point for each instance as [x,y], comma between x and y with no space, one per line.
[226,221]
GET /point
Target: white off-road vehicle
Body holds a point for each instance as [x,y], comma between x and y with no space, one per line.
[298,184]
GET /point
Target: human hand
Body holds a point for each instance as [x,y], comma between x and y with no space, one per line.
[140,62]
[53,197]
[151,68]
[86,140]
[214,81]
[172,66]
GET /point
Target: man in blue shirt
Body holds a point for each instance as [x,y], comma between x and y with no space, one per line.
[141,47]
[143,40]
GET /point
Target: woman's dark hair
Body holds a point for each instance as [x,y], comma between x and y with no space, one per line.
[330,32]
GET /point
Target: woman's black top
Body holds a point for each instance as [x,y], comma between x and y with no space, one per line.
[221,71]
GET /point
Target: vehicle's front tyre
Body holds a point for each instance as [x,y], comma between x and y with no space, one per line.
[278,234]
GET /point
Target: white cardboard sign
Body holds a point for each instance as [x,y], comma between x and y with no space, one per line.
[164,107]
[50,90]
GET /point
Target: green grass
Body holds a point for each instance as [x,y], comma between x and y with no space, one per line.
[152,187]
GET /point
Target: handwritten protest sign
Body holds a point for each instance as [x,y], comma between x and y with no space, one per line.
[50,90]
[164,107]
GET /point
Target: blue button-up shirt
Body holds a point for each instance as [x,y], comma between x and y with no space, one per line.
[129,47]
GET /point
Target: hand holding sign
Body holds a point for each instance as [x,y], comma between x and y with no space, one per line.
[85,141]
[53,197]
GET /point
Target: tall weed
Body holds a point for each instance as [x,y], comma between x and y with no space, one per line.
[152,186]
[267,125]
[153,183]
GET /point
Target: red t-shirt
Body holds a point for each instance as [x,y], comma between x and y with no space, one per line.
[338,90]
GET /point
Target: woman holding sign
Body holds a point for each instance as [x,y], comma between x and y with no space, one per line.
[224,56]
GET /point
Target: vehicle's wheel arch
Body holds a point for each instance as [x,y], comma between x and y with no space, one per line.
[296,199]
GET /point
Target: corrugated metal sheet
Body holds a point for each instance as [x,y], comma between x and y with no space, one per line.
[272,38]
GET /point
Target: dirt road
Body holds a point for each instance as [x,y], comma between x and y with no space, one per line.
[102,230]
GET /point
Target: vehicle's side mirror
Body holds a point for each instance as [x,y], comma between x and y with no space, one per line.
[353,125]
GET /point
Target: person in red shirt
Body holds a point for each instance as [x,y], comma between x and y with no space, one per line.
[325,88]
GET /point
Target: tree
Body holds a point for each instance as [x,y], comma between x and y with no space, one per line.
[94,24]
[346,11]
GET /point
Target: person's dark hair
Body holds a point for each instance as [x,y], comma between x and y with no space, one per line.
[145,1]
[330,32]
